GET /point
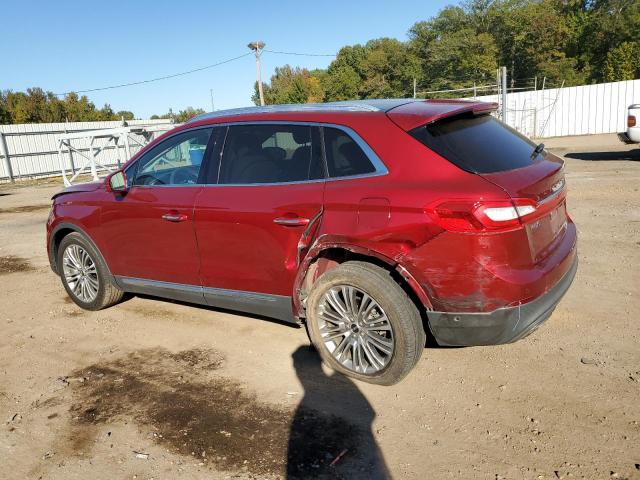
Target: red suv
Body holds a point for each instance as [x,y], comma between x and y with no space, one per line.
[370,222]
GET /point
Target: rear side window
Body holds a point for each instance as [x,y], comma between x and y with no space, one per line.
[344,156]
[478,144]
[255,154]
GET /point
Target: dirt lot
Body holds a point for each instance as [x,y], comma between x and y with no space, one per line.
[154,389]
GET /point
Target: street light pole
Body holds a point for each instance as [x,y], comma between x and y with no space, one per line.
[257,47]
[211,92]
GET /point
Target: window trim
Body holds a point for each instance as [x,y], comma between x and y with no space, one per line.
[277,122]
[379,166]
[135,166]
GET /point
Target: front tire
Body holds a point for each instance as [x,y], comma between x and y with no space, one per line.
[363,324]
[85,275]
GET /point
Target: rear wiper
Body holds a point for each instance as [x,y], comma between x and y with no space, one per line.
[538,150]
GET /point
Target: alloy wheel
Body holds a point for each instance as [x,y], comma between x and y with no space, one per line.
[80,273]
[355,329]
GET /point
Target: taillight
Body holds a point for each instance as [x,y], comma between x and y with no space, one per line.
[482,216]
[631,121]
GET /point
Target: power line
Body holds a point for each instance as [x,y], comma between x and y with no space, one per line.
[478,87]
[165,77]
[302,54]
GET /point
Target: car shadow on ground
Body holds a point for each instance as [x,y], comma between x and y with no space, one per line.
[633,155]
[129,296]
[335,396]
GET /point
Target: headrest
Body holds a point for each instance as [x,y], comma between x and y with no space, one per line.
[301,134]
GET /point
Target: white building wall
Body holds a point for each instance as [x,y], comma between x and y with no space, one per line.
[33,148]
[583,110]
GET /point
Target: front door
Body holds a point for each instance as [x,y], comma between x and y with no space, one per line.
[270,186]
[150,230]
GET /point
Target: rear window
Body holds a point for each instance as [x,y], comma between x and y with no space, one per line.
[478,144]
[344,157]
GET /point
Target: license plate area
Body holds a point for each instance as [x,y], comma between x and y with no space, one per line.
[544,231]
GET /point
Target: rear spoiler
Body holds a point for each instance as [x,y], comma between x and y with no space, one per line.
[415,114]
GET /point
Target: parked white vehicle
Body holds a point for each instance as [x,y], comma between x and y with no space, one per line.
[633,123]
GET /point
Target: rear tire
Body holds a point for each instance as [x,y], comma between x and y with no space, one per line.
[383,341]
[85,275]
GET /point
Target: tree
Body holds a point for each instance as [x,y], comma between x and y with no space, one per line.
[622,63]
[342,83]
[611,24]
[78,109]
[5,115]
[383,67]
[290,85]
[570,41]
[388,69]
[125,115]
[37,106]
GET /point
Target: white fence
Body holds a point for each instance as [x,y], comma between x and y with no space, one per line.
[588,109]
[583,110]
[33,148]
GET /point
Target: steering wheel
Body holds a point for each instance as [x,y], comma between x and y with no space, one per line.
[183,175]
[149,180]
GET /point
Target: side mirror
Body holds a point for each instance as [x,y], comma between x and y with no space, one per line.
[118,182]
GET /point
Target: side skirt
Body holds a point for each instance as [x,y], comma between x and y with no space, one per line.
[274,306]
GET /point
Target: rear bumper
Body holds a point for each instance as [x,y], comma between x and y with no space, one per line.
[632,135]
[504,325]
[624,138]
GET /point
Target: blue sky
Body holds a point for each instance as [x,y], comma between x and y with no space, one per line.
[78,45]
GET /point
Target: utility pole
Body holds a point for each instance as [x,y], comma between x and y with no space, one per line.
[211,92]
[498,89]
[504,94]
[414,87]
[257,47]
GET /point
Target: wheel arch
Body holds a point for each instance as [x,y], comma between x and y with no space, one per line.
[59,232]
[320,259]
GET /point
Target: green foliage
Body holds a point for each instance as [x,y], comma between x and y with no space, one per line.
[125,115]
[623,62]
[570,41]
[187,114]
[180,117]
[291,85]
[37,106]
[383,67]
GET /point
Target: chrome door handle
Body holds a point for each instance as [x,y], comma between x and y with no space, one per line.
[174,217]
[291,221]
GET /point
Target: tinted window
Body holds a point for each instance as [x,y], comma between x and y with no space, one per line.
[175,161]
[479,144]
[344,156]
[271,154]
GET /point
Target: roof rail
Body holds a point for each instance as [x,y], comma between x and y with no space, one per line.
[375,105]
[303,107]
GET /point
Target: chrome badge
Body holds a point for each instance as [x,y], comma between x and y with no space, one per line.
[557,186]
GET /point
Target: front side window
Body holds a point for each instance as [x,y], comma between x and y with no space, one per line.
[176,161]
[344,156]
[255,154]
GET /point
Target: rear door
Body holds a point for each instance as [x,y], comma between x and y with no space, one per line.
[248,224]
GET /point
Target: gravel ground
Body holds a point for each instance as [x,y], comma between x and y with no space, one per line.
[155,389]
